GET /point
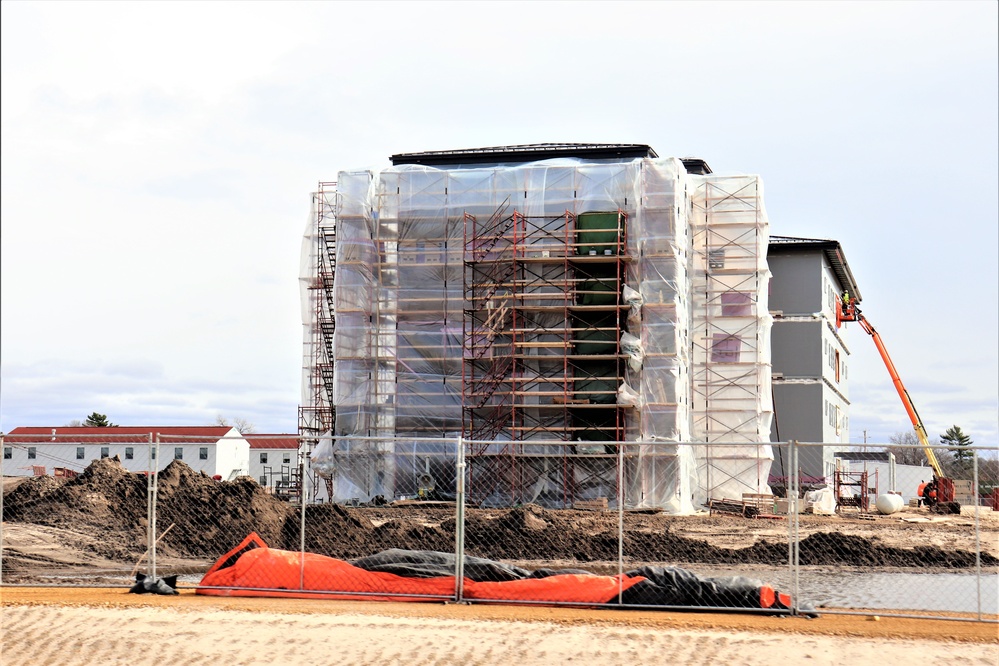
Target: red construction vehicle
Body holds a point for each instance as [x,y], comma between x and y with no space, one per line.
[941,488]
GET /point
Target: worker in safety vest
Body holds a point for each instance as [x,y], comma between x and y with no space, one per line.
[919,492]
[845,307]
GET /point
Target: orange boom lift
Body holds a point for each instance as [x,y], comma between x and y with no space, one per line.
[941,487]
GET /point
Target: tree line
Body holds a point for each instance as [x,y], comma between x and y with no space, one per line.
[98,420]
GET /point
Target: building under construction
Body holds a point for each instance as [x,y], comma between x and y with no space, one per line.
[586,321]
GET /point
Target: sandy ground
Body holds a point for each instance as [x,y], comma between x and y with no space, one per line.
[107,626]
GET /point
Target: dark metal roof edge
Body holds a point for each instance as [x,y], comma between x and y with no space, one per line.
[525,153]
[833,251]
[696,165]
[881,456]
[797,240]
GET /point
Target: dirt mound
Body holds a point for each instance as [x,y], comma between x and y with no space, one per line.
[200,518]
[946,508]
[329,529]
[105,500]
[207,517]
[836,548]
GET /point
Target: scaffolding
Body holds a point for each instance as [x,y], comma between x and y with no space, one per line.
[731,343]
[316,413]
[854,489]
[542,352]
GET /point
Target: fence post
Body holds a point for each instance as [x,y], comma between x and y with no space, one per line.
[795,552]
[620,520]
[978,534]
[459,523]
[153,489]
[303,487]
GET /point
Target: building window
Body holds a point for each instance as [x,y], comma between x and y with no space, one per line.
[837,365]
[263,457]
[736,304]
[203,453]
[80,453]
[263,481]
[725,348]
[287,458]
[105,452]
[8,453]
[129,453]
[32,453]
[178,453]
[152,453]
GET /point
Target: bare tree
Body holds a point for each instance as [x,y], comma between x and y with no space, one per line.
[907,456]
[239,423]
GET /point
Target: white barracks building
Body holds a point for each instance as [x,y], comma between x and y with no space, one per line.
[218,451]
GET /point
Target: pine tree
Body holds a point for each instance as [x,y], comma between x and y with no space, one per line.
[958,443]
[96,420]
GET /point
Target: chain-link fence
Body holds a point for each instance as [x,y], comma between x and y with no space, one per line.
[787,528]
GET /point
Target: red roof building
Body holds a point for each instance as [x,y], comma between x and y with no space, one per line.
[215,450]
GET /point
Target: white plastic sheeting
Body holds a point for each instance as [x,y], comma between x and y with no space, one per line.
[730,366]
[696,335]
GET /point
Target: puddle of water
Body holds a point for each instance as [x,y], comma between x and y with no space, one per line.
[936,591]
[897,591]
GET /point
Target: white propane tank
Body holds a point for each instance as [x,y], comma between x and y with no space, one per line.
[888,503]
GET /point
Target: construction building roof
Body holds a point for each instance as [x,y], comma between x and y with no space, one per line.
[118,433]
[531,152]
[259,441]
[832,250]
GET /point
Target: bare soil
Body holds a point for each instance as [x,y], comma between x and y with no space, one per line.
[849,627]
[97,522]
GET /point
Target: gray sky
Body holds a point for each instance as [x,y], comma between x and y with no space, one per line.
[157,161]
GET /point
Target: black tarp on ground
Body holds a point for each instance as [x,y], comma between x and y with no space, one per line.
[663,586]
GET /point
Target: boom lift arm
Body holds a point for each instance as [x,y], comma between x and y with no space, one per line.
[848,311]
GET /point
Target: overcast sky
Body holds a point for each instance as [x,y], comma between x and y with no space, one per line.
[158,159]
